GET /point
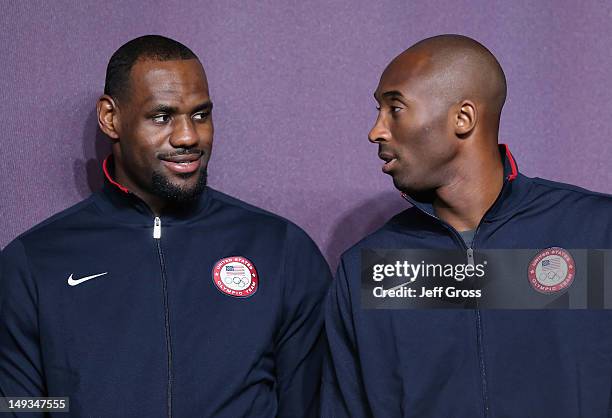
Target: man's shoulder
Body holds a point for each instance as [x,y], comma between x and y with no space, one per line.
[246,208]
[392,234]
[256,217]
[571,196]
[551,185]
[69,216]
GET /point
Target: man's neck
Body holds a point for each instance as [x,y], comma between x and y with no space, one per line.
[464,201]
[155,203]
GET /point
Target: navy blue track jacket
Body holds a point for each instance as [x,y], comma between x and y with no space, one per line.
[475,363]
[118,310]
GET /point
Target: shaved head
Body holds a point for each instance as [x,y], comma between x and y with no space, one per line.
[455,68]
[440,104]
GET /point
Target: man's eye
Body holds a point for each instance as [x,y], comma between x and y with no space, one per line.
[201,115]
[161,118]
[395,109]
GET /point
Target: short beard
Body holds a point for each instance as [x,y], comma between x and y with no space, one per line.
[172,193]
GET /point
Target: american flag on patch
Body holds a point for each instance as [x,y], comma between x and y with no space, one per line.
[551,264]
[235,269]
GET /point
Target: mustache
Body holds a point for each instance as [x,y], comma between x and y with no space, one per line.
[181,151]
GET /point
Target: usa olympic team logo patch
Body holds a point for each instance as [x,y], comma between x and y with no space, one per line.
[235,276]
[552,270]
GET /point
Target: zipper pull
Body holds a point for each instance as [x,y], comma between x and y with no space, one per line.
[157,228]
[470,256]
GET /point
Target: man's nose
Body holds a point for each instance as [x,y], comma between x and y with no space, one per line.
[379,132]
[184,134]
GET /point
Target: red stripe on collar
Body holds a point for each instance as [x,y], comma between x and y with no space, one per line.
[514,173]
[109,178]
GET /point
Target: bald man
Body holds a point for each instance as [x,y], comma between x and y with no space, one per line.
[440,103]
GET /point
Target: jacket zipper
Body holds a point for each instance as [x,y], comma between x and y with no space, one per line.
[479,326]
[157,237]
[479,330]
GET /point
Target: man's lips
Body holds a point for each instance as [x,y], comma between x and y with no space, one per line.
[390,161]
[182,163]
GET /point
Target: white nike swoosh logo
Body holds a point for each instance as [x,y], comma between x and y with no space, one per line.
[73,282]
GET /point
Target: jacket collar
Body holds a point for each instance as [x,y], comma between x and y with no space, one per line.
[117,200]
[514,189]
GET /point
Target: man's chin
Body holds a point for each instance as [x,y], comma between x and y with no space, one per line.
[179,191]
[403,186]
[418,192]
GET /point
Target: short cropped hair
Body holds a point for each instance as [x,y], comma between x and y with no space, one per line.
[153,47]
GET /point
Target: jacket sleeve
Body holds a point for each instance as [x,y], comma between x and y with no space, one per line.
[300,343]
[20,356]
[343,393]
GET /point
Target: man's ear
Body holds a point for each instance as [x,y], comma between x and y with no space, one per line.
[465,118]
[108,118]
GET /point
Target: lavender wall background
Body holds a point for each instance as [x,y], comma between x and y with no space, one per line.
[292,83]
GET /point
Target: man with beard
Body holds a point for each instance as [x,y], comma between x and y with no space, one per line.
[159,296]
[439,110]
